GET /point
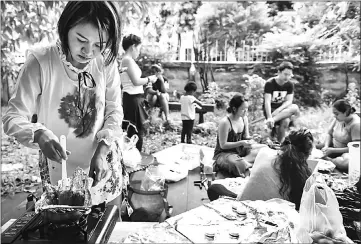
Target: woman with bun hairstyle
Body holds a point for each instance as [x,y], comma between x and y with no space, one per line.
[233,140]
[133,88]
[344,128]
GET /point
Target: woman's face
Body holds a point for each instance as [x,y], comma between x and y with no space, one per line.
[84,44]
[339,116]
[242,110]
[136,50]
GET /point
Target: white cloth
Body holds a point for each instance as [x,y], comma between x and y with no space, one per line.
[188,109]
[44,88]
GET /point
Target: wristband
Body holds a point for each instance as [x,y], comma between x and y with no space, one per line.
[148,79]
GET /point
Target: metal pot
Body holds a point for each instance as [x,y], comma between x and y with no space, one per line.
[63,214]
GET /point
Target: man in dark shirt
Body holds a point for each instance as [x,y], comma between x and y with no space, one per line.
[156,93]
[278,98]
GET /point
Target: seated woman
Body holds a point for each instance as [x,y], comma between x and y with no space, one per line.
[276,174]
[157,95]
[344,128]
[233,140]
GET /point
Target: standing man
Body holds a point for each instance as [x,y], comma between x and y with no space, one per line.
[278,97]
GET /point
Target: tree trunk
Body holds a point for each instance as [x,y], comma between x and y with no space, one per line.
[212,75]
[179,46]
[346,73]
[5,96]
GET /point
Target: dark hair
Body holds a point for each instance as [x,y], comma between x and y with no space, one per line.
[156,68]
[130,40]
[102,14]
[292,161]
[285,65]
[344,107]
[236,101]
[191,86]
[250,67]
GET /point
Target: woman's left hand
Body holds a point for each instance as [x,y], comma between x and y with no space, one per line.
[327,151]
[99,166]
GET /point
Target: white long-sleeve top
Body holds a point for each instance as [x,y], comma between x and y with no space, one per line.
[45,88]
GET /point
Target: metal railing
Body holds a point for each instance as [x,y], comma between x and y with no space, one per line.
[243,54]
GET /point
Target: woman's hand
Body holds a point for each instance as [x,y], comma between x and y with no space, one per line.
[246,143]
[326,238]
[99,166]
[50,145]
[152,78]
[327,151]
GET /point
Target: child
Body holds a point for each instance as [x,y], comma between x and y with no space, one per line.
[188,111]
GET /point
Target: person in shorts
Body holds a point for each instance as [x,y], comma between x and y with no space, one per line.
[278,105]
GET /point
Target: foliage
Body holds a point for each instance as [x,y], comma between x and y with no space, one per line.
[331,24]
[279,6]
[24,22]
[233,21]
[254,92]
[186,15]
[133,14]
[226,22]
[353,96]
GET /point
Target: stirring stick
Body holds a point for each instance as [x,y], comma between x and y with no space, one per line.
[64,175]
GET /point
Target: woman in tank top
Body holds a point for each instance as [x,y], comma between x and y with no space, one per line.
[233,140]
[344,128]
[133,91]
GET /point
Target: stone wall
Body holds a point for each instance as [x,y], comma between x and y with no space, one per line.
[230,75]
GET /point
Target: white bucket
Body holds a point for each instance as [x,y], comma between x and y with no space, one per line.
[354,162]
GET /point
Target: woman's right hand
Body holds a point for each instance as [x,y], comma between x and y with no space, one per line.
[246,143]
[153,78]
[50,145]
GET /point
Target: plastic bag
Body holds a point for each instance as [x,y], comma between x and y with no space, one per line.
[319,211]
[110,187]
[153,179]
[131,154]
[173,172]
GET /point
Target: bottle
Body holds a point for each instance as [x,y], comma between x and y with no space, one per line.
[30,205]
[354,162]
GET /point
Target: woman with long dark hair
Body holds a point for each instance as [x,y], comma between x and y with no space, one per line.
[233,142]
[344,128]
[277,174]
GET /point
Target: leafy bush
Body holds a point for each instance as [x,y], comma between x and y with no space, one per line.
[24,22]
[353,96]
[254,93]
